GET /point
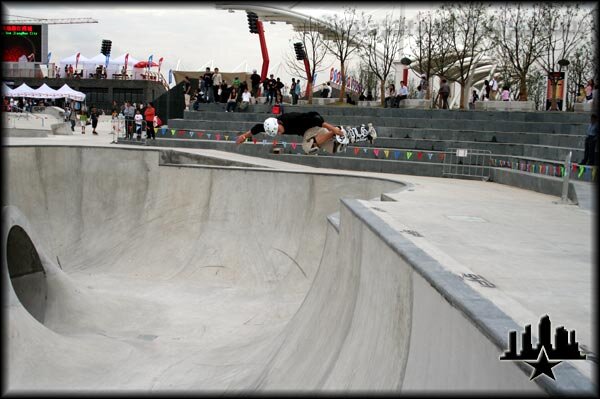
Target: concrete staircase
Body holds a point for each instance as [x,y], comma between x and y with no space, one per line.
[410,141]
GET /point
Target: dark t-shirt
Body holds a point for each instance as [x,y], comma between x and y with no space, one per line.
[255,78]
[294,123]
[207,77]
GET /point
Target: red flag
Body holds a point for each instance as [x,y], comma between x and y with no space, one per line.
[77,60]
[126,59]
[160,63]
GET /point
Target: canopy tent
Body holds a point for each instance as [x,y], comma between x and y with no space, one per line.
[22,91]
[99,59]
[72,60]
[44,91]
[69,93]
[120,60]
[6,91]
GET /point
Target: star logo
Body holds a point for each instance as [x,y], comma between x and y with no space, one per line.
[542,366]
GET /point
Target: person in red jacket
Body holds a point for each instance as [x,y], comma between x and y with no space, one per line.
[149,114]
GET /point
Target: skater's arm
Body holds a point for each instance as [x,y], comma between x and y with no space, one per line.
[333,129]
[258,128]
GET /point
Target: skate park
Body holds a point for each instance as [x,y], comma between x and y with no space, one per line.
[193,265]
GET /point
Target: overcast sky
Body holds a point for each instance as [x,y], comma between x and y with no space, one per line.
[195,35]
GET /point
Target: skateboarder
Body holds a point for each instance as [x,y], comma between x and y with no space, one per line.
[315,131]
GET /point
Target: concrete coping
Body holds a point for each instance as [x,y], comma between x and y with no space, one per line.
[505,105]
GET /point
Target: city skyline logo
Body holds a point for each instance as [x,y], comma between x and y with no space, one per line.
[544,356]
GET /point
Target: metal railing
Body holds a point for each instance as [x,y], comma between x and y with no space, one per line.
[467,163]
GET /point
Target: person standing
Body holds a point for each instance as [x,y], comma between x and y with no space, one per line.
[255,79]
[83,117]
[591,142]
[138,118]
[149,114]
[493,89]
[217,79]
[589,91]
[208,85]
[298,90]
[473,99]
[129,114]
[94,117]
[272,85]
[444,93]
[423,86]
[293,92]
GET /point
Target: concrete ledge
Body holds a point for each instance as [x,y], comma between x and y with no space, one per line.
[62,129]
[583,107]
[531,181]
[415,103]
[16,132]
[368,103]
[505,105]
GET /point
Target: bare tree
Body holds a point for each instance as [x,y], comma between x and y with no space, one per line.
[467,28]
[581,69]
[424,42]
[517,39]
[564,27]
[366,77]
[315,53]
[385,37]
[342,39]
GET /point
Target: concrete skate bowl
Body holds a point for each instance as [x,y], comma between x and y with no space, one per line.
[176,278]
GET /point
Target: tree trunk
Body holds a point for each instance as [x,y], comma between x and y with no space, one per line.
[523,88]
[309,92]
[382,93]
[343,87]
[463,90]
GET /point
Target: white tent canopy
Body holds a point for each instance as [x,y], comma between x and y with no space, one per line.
[6,91]
[44,91]
[68,92]
[22,91]
[120,60]
[72,60]
[99,59]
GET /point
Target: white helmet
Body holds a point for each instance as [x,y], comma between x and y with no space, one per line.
[271,125]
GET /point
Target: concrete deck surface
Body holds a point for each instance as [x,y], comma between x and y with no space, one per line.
[165,284]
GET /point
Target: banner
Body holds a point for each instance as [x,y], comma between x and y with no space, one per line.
[77,60]
[160,63]
[126,59]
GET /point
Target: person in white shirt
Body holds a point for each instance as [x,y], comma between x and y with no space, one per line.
[138,124]
[245,99]
[494,89]
[402,94]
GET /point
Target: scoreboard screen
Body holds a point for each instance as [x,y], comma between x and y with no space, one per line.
[22,40]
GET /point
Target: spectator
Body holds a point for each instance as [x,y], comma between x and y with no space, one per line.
[208,85]
[83,117]
[217,79]
[362,97]
[70,70]
[245,99]
[402,94]
[224,93]
[67,71]
[138,118]
[487,88]
[369,96]
[505,93]
[231,102]
[298,90]
[493,89]
[129,114]
[349,100]
[390,100]
[423,86]
[243,87]
[187,88]
[325,91]
[589,91]
[272,85]
[94,117]
[444,93]
[293,92]
[278,91]
[255,79]
[591,142]
[149,115]
[474,97]
[236,83]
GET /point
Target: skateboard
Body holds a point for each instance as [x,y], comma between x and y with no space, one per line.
[354,134]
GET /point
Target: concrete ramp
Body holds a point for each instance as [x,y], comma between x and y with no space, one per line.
[225,279]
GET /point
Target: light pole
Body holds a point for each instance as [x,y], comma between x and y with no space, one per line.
[555,77]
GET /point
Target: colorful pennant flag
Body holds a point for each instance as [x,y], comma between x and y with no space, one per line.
[387,153]
[376,152]
[408,154]
[419,155]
